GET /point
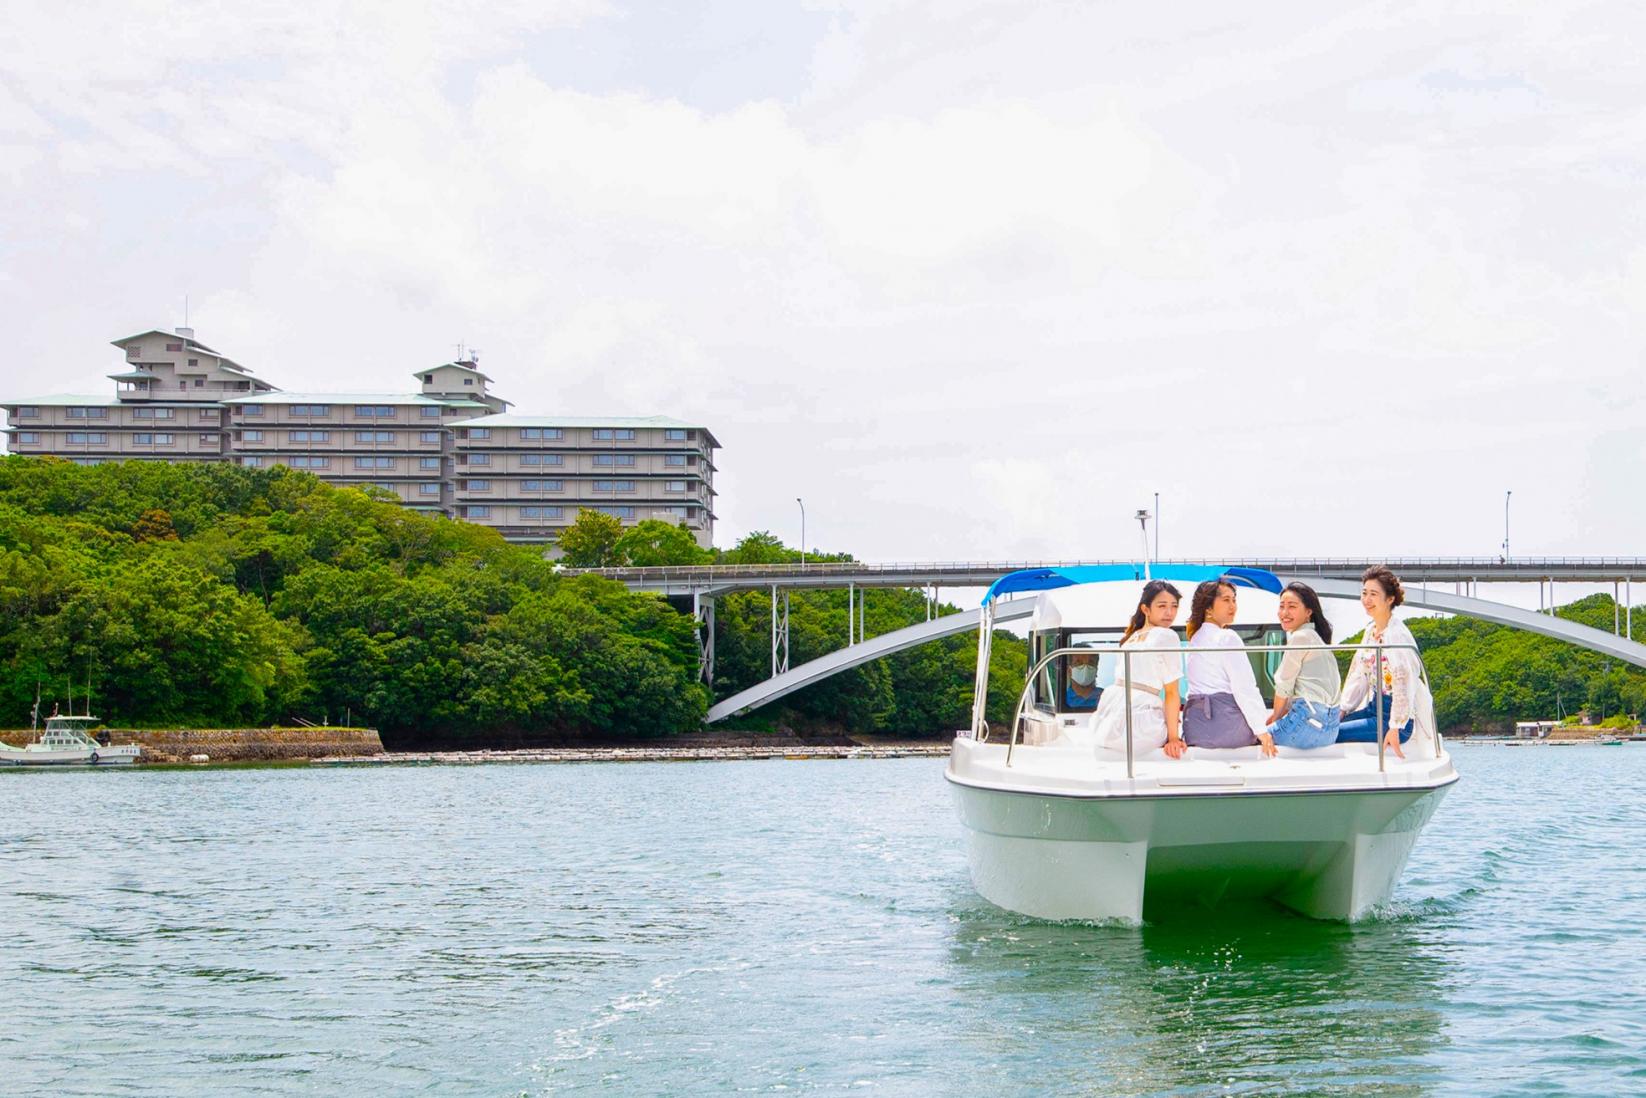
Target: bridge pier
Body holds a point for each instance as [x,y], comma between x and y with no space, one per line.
[703,614]
[780,634]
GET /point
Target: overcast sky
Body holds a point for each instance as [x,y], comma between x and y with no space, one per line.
[975,279]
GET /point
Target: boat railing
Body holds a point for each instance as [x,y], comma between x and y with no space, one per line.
[1125,677]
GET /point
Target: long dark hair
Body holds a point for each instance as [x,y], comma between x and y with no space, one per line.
[1311,602]
[1204,596]
[1151,591]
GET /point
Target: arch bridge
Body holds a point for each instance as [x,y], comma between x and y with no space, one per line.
[1334,577]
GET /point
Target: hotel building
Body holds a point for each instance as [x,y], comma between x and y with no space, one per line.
[452,447]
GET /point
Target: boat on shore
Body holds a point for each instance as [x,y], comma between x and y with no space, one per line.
[1060,828]
[67,741]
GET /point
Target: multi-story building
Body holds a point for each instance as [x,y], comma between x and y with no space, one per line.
[453,447]
[166,407]
[529,475]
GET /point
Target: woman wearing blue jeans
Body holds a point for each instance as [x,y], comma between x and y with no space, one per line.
[1393,676]
[1307,684]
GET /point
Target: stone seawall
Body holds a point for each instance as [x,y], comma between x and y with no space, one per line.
[232,744]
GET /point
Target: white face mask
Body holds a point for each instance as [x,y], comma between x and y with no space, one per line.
[1084,675]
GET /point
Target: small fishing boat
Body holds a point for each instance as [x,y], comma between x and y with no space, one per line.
[1058,827]
[67,741]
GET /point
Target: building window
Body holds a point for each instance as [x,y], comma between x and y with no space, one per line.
[251,462]
[542,459]
[674,486]
[477,512]
[614,459]
[374,436]
[428,463]
[199,383]
[675,434]
[540,512]
[428,379]
[677,460]
[613,434]
[194,362]
[308,436]
[373,463]
[252,436]
[208,414]
[88,413]
[470,381]
[309,462]
[208,440]
[179,347]
[544,485]
[480,459]
[28,411]
[141,439]
[528,433]
[480,432]
[429,411]
[151,413]
[374,411]
[85,438]
[428,488]
[429,436]
[617,512]
[250,409]
[311,411]
[28,437]
[614,486]
[477,486]
[164,439]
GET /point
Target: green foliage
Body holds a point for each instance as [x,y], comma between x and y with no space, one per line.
[1490,675]
[652,542]
[591,540]
[216,595]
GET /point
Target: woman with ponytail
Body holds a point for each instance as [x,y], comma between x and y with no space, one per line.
[1307,685]
[1224,707]
[1152,687]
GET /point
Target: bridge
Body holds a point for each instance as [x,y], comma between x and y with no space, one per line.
[1337,577]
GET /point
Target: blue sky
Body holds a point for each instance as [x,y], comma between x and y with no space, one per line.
[975,279]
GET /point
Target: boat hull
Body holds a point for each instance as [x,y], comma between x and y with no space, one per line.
[106,756]
[1327,854]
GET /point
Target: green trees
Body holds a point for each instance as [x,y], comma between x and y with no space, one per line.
[215,595]
[591,541]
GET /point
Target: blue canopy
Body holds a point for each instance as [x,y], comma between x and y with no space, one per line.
[1047,579]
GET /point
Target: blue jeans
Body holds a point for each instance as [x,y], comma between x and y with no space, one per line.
[1305,724]
[1361,725]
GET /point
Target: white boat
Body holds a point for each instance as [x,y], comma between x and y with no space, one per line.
[1059,828]
[67,741]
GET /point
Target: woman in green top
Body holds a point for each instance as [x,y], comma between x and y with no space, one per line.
[1307,683]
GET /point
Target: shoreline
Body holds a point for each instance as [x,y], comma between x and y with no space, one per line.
[731,753]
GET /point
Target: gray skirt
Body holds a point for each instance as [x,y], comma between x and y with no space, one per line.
[1214,720]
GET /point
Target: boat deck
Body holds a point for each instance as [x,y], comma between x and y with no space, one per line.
[1065,768]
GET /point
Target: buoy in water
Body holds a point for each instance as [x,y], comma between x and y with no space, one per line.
[199,758]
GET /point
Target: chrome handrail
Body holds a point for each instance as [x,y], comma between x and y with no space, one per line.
[1126,675]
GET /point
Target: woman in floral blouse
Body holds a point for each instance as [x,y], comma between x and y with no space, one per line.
[1407,705]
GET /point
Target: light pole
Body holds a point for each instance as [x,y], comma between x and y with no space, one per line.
[1506,496]
[1157,527]
[1142,517]
[802,503]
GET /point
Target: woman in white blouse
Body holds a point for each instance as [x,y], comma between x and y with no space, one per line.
[1155,667]
[1225,708]
[1408,708]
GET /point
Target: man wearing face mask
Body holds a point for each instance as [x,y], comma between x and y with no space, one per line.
[1082,691]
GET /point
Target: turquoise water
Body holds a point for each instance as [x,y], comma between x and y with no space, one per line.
[710,928]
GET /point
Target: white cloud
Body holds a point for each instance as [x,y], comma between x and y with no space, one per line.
[988,245]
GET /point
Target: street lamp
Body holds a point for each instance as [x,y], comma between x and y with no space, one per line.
[802,503]
[1142,518]
[1506,496]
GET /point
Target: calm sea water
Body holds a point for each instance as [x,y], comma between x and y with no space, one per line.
[710,928]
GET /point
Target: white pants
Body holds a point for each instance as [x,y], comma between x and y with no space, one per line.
[1148,721]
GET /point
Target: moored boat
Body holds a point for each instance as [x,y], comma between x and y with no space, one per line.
[1060,827]
[67,741]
